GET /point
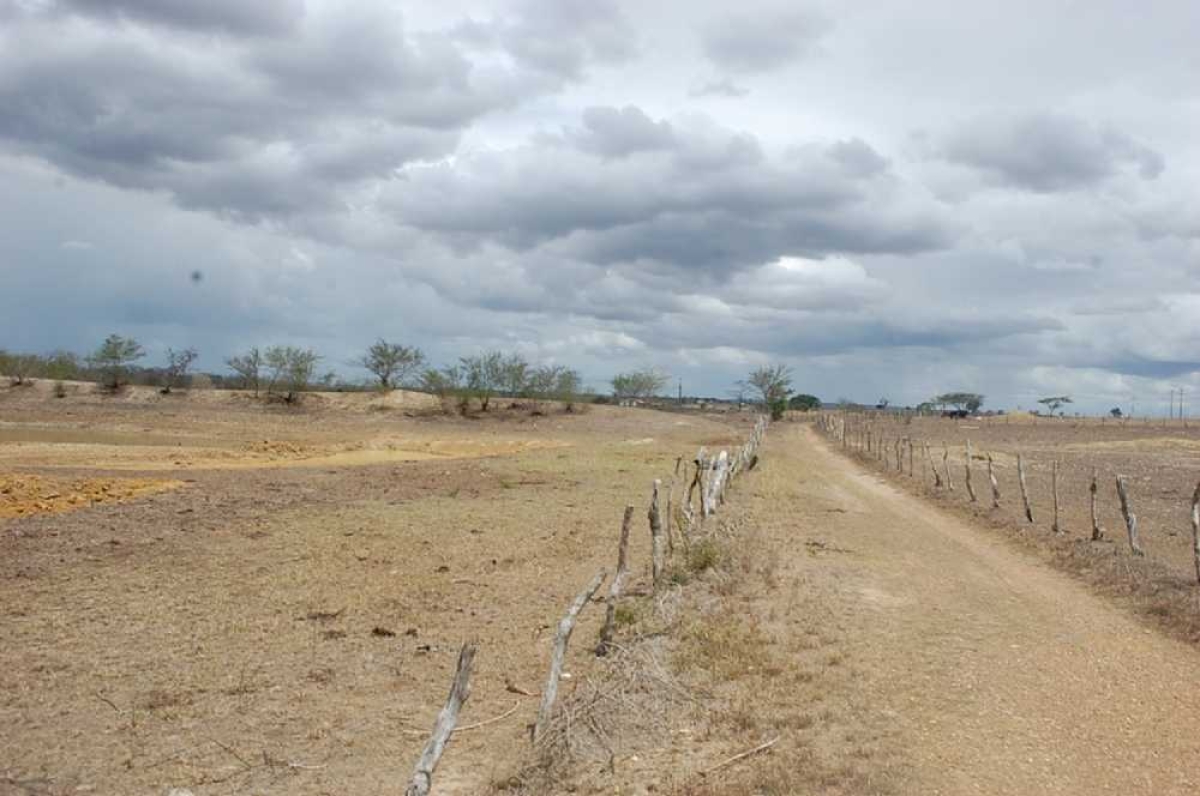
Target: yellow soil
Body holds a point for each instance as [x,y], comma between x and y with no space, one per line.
[22,495]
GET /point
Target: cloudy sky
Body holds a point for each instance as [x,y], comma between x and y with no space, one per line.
[894,198]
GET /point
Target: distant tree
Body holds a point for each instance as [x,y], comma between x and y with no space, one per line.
[772,382]
[738,393]
[1053,402]
[20,368]
[289,369]
[393,364]
[1116,411]
[883,403]
[639,384]
[113,358]
[483,375]
[248,367]
[61,365]
[178,364]
[567,384]
[514,376]
[804,402]
[970,401]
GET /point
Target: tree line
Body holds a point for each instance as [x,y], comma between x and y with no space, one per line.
[285,373]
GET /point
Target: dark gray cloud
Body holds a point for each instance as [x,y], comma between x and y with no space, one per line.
[1048,151]
[759,41]
[695,199]
[232,16]
[617,132]
[529,172]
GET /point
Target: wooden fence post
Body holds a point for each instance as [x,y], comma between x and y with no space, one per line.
[911,472]
[970,485]
[994,483]
[618,583]
[1097,532]
[1054,489]
[657,547]
[1131,528]
[1024,487]
[946,467]
[460,691]
[937,479]
[565,627]
[1196,530]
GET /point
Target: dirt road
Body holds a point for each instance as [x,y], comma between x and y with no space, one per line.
[996,674]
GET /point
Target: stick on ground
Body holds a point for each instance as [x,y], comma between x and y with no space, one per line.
[741,756]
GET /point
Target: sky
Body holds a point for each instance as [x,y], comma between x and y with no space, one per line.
[895,199]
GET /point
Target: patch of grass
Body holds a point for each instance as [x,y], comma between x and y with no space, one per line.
[703,555]
[727,645]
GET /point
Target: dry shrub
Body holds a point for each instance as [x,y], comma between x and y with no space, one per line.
[623,705]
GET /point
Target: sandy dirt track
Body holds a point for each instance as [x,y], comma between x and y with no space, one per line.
[1001,674]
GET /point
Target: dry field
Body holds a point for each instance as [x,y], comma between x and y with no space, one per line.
[1161,464]
[203,592]
[207,593]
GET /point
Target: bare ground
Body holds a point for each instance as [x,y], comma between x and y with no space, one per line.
[231,635]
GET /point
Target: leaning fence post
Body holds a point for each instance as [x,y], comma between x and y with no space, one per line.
[1024,487]
[1130,518]
[946,467]
[565,626]
[618,583]
[970,486]
[995,485]
[460,690]
[656,537]
[1097,532]
[1054,489]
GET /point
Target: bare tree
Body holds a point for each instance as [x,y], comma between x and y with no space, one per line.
[392,363]
[178,365]
[290,369]
[772,382]
[248,367]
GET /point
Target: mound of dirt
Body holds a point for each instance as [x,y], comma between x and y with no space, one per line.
[22,494]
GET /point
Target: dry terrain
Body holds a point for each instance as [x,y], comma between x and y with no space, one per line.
[250,599]
[272,599]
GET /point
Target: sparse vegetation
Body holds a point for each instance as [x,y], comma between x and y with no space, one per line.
[113,358]
[392,364]
[178,365]
[773,383]
[290,371]
[1054,402]
[248,367]
[639,384]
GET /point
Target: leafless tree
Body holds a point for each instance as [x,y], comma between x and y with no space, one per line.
[178,365]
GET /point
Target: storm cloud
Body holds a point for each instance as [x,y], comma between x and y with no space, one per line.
[900,202]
